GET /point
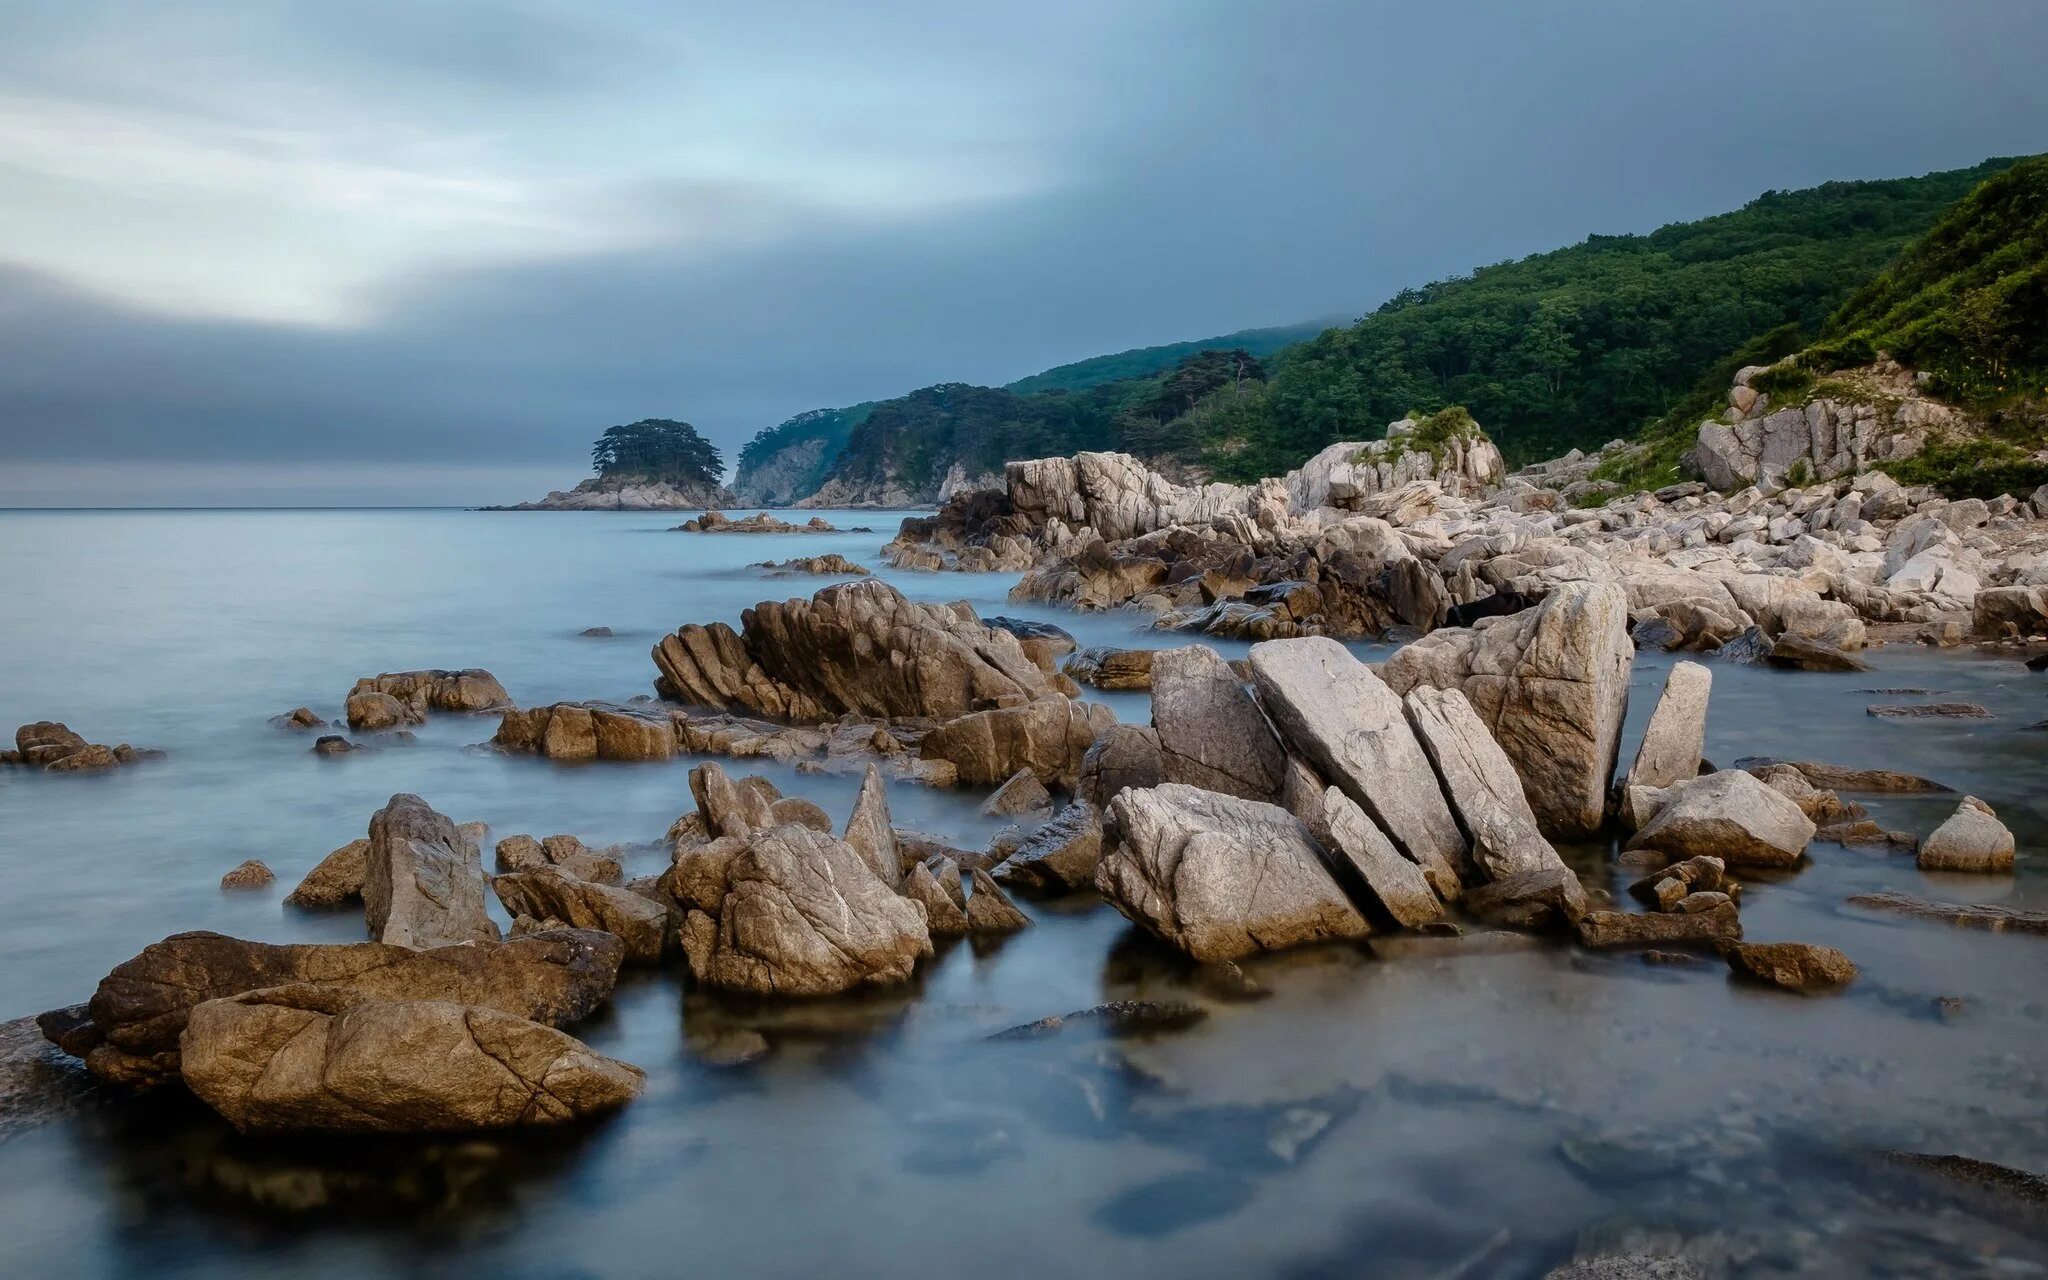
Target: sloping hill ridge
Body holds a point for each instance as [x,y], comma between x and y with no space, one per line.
[1143,362]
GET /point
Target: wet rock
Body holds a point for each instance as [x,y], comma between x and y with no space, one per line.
[1973,839]
[1671,958]
[1022,792]
[1677,731]
[470,690]
[1399,886]
[576,858]
[1211,734]
[299,718]
[552,893]
[336,880]
[251,874]
[1728,815]
[869,832]
[1128,755]
[1658,928]
[423,881]
[313,1058]
[141,1006]
[1479,780]
[1220,877]
[830,565]
[945,917]
[726,1047]
[1341,719]
[519,853]
[1117,1018]
[1793,966]
[1809,653]
[1929,711]
[989,909]
[1059,857]
[1541,899]
[1111,669]
[1551,683]
[370,710]
[596,633]
[333,744]
[1049,736]
[1966,915]
[804,916]
[52,747]
[573,731]
[1837,778]
[37,1083]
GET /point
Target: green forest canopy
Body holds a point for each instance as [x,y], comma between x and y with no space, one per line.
[657,449]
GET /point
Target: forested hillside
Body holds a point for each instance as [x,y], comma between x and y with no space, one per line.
[1143,362]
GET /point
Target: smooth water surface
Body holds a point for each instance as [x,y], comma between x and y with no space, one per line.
[1422,1107]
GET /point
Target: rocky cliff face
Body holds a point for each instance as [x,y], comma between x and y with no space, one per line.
[601,494]
[785,476]
[1840,425]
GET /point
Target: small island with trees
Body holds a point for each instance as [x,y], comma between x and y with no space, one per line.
[651,465]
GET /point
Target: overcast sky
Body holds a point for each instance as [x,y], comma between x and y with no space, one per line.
[422,251]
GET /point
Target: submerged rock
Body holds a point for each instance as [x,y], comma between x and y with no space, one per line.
[1221,877]
[1967,915]
[329,1059]
[1794,966]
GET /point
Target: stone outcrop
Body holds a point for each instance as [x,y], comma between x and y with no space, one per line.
[802,915]
[945,915]
[989,910]
[423,880]
[831,565]
[1343,720]
[141,1007]
[1878,415]
[1220,877]
[1479,780]
[1111,669]
[1400,887]
[1729,815]
[1677,732]
[471,690]
[1973,839]
[869,831]
[1061,856]
[1793,966]
[328,1059]
[715,521]
[52,747]
[1211,733]
[572,731]
[550,893]
[1600,929]
[616,494]
[336,880]
[1126,755]
[1048,736]
[1551,685]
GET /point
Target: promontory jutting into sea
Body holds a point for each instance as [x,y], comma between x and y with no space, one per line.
[1543,780]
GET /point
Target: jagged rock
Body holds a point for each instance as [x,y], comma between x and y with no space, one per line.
[1731,816]
[251,874]
[588,731]
[1022,792]
[831,565]
[1220,877]
[571,855]
[519,853]
[551,893]
[1128,755]
[596,633]
[1400,886]
[1108,668]
[1061,856]
[945,917]
[337,880]
[1794,966]
[856,648]
[315,1058]
[141,1006]
[1337,714]
[1211,734]
[370,710]
[1670,752]
[1551,683]
[299,718]
[1658,928]
[1809,653]
[333,744]
[54,748]
[1704,874]
[729,807]
[422,691]
[423,881]
[869,832]
[1479,780]
[1049,736]
[1546,898]
[989,909]
[1973,839]
[804,916]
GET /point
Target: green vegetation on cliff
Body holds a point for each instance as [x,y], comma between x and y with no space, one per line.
[657,449]
[1144,362]
[828,428]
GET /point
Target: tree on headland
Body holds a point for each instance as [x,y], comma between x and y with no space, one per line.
[657,449]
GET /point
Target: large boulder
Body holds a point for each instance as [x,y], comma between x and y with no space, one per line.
[1220,877]
[1973,839]
[1551,683]
[1128,755]
[1211,734]
[337,880]
[327,1059]
[471,690]
[804,916]
[1677,732]
[1048,736]
[588,731]
[1730,815]
[550,893]
[141,1006]
[423,881]
[1481,783]
[1345,722]
[855,648]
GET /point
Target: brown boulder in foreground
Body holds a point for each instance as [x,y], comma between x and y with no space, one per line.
[326,1059]
[423,881]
